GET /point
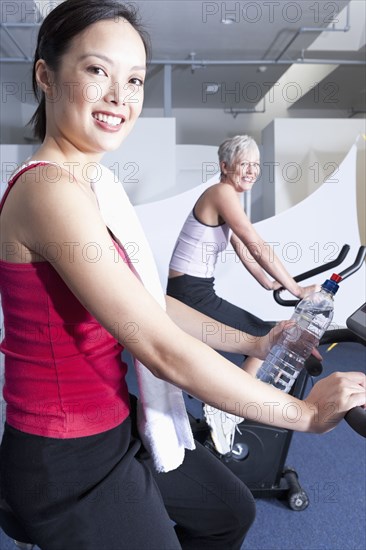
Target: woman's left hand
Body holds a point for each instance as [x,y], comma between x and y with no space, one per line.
[266,342]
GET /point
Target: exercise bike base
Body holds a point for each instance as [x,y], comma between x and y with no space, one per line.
[257,460]
[259,454]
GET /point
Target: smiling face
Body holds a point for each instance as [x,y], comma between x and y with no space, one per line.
[96,96]
[244,171]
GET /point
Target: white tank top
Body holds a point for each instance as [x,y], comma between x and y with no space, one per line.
[198,246]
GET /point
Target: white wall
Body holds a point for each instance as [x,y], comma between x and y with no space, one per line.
[145,162]
[300,154]
[212,126]
[17,102]
[11,157]
[196,164]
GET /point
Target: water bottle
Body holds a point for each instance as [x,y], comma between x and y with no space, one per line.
[311,318]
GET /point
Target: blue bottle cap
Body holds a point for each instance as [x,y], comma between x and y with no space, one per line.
[331,285]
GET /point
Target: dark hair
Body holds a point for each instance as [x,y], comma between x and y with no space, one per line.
[61,25]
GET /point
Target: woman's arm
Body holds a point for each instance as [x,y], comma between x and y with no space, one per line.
[219,336]
[222,337]
[228,206]
[251,264]
[59,212]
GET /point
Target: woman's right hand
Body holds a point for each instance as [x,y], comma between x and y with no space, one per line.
[332,397]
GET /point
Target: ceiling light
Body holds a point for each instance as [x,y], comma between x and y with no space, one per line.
[212,88]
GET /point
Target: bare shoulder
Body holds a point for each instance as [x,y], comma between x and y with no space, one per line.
[35,189]
[218,192]
[46,205]
[225,191]
[48,186]
[52,204]
[229,207]
[46,177]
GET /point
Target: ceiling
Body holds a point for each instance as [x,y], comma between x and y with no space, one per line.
[225,66]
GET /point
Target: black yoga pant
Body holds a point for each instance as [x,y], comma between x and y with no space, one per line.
[99,492]
[213,508]
[199,293]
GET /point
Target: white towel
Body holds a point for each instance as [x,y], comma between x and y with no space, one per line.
[162,417]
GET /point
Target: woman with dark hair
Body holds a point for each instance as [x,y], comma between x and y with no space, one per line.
[72,467]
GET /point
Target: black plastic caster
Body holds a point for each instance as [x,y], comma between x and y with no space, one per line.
[297,498]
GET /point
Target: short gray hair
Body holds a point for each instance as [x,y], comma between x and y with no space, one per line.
[232,147]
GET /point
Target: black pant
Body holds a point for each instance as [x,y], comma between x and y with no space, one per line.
[199,293]
[99,492]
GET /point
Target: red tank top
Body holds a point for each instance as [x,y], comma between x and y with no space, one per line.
[64,376]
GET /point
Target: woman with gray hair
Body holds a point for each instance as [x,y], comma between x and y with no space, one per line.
[218,218]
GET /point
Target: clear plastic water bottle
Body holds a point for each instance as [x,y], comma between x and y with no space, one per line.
[311,318]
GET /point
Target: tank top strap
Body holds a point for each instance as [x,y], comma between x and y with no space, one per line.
[19,172]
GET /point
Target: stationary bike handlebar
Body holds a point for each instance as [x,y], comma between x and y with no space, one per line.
[356,417]
[325,267]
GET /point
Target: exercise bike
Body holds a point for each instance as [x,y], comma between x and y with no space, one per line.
[355,331]
[259,452]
